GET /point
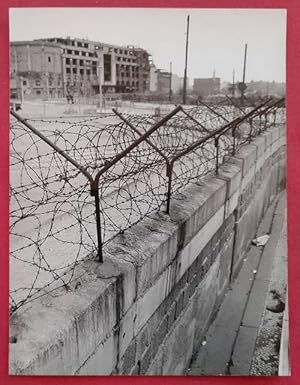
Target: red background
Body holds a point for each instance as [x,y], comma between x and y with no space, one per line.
[293,165]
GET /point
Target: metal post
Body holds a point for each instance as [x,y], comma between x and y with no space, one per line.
[169,192]
[95,192]
[186,58]
[217,154]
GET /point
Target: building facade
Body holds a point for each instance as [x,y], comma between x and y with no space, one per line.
[56,67]
[35,70]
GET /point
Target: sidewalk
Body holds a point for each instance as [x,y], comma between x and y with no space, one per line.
[244,338]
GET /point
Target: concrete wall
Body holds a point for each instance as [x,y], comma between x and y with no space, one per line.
[147,308]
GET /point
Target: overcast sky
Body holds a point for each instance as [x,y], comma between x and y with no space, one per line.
[217,36]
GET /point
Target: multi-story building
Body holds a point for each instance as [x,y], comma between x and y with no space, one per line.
[161,81]
[35,70]
[78,66]
[207,86]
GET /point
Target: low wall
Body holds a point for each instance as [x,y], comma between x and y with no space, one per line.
[147,308]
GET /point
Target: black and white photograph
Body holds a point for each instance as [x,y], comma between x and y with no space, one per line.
[148,214]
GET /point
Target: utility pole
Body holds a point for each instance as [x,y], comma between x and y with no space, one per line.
[186,58]
[170,89]
[243,89]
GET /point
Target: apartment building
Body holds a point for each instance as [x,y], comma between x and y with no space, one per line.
[81,66]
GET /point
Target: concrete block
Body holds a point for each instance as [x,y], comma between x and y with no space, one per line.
[232,174]
[126,329]
[268,136]
[197,205]
[203,302]
[178,347]
[102,361]
[275,131]
[127,361]
[197,244]
[225,266]
[260,143]
[248,177]
[124,268]
[77,321]
[156,366]
[231,204]
[248,154]
[150,301]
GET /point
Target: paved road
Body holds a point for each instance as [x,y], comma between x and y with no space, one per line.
[245,335]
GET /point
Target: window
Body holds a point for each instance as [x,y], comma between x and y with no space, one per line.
[94,70]
[81,62]
[83,53]
[86,45]
[79,44]
[68,70]
[50,83]
[74,61]
[74,70]
[67,60]
[38,92]
[69,51]
[88,71]
[24,82]
[81,71]
[49,59]
[76,52]
[37,83]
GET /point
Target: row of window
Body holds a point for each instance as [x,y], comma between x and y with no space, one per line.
[81,71]
[127,67]
[125,59]
[79,61]
[38,83]
[82,53]
[123,83]
[127,74]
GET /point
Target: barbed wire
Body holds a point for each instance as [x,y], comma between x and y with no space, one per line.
[52,211]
